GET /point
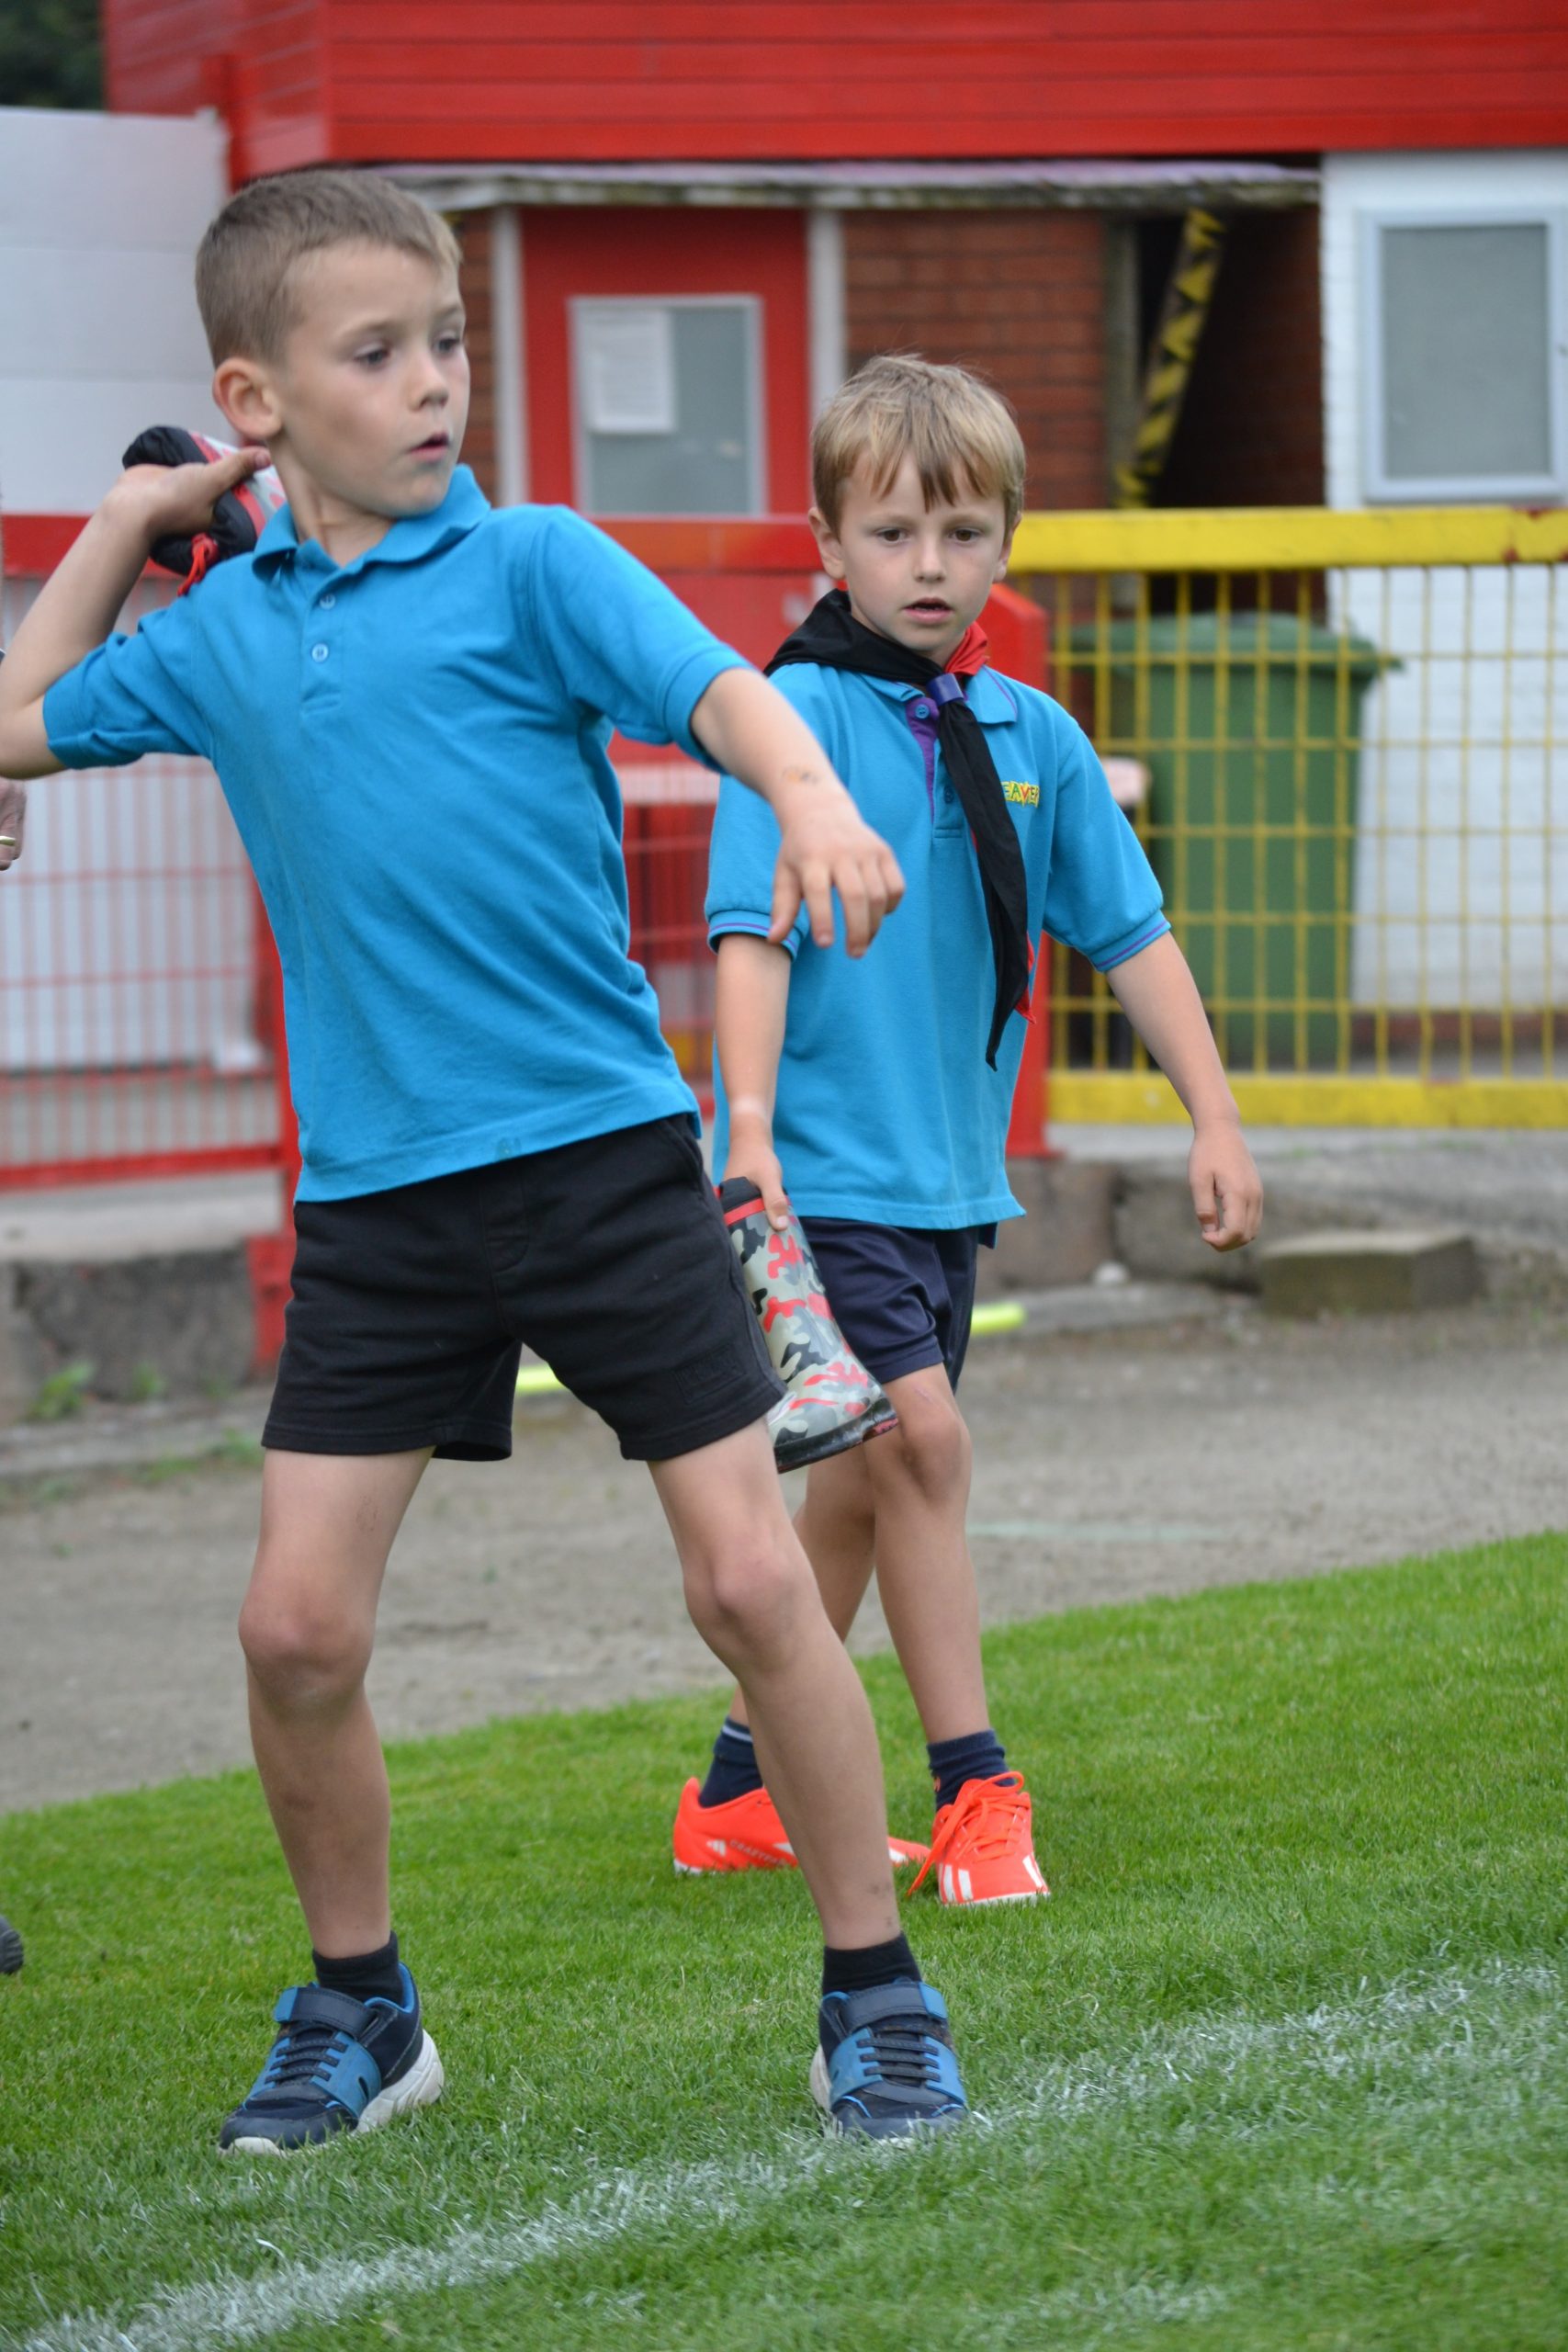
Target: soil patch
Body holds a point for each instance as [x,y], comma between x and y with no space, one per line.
[1108,1465]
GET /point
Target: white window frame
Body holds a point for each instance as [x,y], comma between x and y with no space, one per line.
[751,306]
[1455,489]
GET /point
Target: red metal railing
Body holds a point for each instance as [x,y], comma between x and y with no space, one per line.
[141,1001]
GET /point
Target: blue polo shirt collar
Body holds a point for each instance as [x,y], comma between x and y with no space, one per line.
[415,535]
[986,694]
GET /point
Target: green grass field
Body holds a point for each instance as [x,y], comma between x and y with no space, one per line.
[1285,2062]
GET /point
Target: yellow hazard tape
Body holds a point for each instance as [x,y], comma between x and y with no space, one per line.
[1186,301]
[998,1314]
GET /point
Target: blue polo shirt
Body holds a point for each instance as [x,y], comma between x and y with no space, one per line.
[413,747]
[886,1111]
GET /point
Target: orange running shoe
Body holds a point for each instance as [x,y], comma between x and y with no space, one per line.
[747,1835]
[982,1845]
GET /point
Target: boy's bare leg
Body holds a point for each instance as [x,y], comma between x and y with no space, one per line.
[900,1502]
[753,1599]
[925,1578]
[837,1525]
[307,1627]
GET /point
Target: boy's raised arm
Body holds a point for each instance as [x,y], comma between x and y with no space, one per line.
[748,727]
[79,603]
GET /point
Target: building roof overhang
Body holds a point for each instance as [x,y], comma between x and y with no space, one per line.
[1068,185]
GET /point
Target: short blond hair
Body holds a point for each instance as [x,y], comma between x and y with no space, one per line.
[961,434]
[253,247]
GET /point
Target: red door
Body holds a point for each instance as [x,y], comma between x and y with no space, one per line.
[745,269]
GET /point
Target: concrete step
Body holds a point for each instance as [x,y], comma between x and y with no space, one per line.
[180,1323]
[1387,1271]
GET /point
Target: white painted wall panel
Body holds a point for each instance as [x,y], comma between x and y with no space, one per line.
[138,183]
[1461,868]
[126,931]
[127,927]
[100,216]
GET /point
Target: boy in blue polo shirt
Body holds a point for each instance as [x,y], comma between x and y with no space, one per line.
[407,698]
[880,1092]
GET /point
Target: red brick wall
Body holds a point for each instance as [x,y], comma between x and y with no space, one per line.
[1251,427]
[1018,296]
[478,448]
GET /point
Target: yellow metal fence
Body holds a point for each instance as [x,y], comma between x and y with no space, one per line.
[1343,739]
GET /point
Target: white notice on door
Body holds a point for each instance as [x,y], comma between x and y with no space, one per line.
[626,355]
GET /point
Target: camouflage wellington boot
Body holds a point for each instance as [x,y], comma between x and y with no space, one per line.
[832,1402]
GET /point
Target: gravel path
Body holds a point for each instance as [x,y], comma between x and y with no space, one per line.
[1134,1461]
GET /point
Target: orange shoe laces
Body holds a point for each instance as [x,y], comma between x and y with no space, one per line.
[989,1813]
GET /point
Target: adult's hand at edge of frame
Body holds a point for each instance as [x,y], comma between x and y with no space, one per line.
[13,821]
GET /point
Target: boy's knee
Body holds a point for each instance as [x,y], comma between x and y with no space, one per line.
[748,1598]
[930,1448]
[299,1650]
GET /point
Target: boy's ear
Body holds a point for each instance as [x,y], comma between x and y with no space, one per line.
[828,546]
[243,390]
[1004,559]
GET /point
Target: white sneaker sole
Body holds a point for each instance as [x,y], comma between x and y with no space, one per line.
[425,2082]
[952,1888]
[717,1870]
[987,1901]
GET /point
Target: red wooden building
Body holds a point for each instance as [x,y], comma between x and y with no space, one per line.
[681,223]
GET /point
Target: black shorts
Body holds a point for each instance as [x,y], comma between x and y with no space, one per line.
[609,1257]
[903,1297]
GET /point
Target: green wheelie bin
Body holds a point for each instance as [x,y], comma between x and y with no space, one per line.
[1251,726]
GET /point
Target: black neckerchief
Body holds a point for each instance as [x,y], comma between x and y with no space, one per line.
[832,638]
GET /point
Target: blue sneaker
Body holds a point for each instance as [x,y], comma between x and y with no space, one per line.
[338,2065]
[885,2066]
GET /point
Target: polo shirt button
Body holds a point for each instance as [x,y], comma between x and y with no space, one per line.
[922,710]
[327,602]
[318,652]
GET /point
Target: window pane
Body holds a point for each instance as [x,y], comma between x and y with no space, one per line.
[704,462]
[1467,365]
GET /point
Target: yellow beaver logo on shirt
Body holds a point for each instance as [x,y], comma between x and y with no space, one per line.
[1026,796]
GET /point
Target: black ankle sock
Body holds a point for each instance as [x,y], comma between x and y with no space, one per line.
[368,1976]
[978,1756]
[733,1772]
[858,1971]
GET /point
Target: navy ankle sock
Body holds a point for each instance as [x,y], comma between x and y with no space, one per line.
[978,1756]
[733,1772]
[858,1971]
[368,1976]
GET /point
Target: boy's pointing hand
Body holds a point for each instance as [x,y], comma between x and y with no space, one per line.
[827,846]
[748,727]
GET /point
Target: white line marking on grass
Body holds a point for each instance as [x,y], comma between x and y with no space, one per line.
[1371,2032]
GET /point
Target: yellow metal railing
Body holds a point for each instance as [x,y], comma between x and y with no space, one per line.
[1343,739]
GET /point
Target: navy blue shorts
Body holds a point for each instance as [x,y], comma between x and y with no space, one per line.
[903,1296]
